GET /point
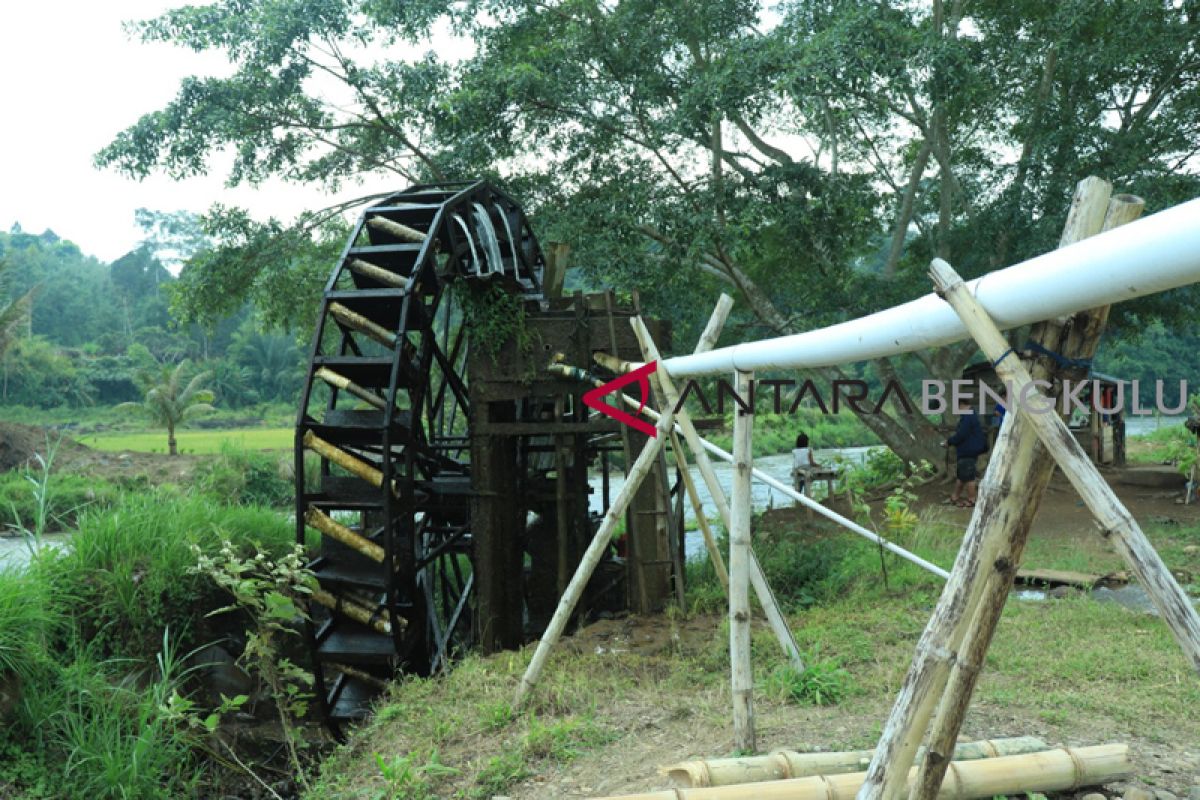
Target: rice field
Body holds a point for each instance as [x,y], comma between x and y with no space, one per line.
[197,442]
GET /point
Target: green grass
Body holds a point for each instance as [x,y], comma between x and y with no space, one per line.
[94,635]
[194,441]
[127,575]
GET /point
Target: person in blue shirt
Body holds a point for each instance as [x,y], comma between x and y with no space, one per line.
[969,442]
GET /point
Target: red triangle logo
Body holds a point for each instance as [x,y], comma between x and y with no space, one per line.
[591,399]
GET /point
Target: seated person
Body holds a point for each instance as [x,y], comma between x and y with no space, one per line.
[802,462]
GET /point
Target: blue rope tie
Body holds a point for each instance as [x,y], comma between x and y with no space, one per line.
[1003,355]
[1062,361]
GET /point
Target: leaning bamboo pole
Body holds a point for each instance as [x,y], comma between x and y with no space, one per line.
[784,764]
[741,669]
[758,580]
[701,448]
[710,541]
[1024,484]
[1007,501]
[708,339]
[1117,524]
[1061,770]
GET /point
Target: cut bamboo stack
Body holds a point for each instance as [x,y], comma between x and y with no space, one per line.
[1059,770]
[785,764]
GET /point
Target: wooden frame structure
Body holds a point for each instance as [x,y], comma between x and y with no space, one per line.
[936,692]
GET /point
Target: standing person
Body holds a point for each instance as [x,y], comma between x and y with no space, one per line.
[969,442]
[802,462]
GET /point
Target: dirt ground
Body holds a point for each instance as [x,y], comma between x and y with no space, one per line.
[674,730]
[20,443]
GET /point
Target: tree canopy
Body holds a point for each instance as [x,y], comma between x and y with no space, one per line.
[810,156]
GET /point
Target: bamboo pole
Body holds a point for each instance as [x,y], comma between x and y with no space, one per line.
[335,454]
[784,764]
[758,580]
[591,557]
[1117,524]
[1008,499]
[1024,485]
[327,525]
[1059,770]
[1004,501]
[742,678]
[340,381]
[352,319]
[378,274]
[702,447]
[710,541]
[402,232]
[362,675]
[351,610]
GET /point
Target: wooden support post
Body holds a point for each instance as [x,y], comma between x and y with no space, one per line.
[1117,524]
[1023,476]
[742,684]
[591,557]
[758,580]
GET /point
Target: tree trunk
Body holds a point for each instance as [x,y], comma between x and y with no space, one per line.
[172,448]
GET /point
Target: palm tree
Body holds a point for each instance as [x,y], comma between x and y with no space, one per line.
[168,402]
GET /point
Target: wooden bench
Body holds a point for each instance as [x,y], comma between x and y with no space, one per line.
[813,474]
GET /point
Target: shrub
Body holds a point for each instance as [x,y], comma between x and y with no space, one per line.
[128,572]
[820,683]
[247,478]
[68,496]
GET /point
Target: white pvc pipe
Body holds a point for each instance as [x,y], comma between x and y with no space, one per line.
[831,514]
[1151,255]
[803,499]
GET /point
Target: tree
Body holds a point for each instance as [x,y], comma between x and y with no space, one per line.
[169,402]
[811,159]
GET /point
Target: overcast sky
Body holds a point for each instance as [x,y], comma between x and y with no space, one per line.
[70,79]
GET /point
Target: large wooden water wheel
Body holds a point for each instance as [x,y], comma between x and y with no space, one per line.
[411,547]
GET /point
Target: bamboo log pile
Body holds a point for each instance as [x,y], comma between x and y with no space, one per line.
[1060,770]
[784,764]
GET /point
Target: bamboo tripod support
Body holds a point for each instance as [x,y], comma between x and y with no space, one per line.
[742,672]
[1117,524]
[1032,469]
[758,579]
[1009,496]
[595,551]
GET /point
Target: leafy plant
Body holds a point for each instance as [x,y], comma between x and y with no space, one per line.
[821,683]
[408,780]
[271,590]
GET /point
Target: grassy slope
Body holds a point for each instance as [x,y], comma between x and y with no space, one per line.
[1071,670]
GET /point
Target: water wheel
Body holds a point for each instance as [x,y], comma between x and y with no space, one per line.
[382,449]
